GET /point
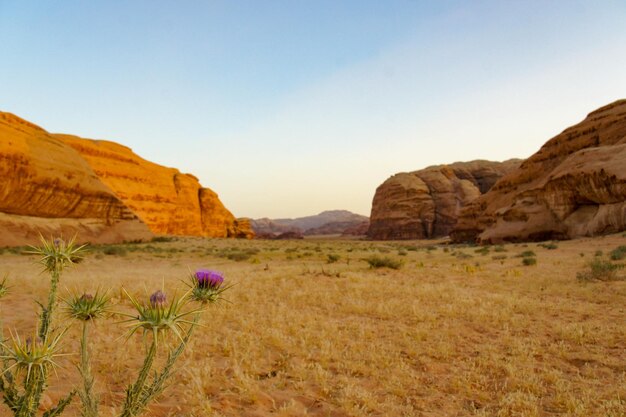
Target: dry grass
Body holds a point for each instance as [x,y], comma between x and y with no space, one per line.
[452,333]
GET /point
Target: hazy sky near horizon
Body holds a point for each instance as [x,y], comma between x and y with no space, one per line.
[287,108]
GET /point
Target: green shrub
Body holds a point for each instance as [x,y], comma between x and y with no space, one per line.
[483,251]
[526,254]
[550,245]
[618,253]
[163,239]
[383,262]
[331,258]
[402,252]
[114,250]
[598,253]
[498,257]
[600,270]
[529,261]
[499,248]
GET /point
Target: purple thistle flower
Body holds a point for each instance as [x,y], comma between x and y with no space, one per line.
[158,299]
[207,278]
[86,297]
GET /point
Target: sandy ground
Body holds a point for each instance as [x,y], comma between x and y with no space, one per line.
[456,331]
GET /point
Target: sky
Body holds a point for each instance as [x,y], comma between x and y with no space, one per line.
[288,108]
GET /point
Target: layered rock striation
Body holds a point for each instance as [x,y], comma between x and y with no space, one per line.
[47,187]
[168,201]
[60,184]
[574,186]
[426,203]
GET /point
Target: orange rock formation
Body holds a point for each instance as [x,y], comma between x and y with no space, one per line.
[100,190]
[169,201]
[47,187]
[575,185]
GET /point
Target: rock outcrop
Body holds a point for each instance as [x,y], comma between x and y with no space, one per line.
[47,187]
[575,185]
[426,203]
[168,201]
[60,184]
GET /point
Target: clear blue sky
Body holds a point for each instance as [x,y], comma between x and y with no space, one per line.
[287,108]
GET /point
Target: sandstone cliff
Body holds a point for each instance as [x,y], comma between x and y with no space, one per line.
[575,185]
[47,187]
[426,203]
[168,201]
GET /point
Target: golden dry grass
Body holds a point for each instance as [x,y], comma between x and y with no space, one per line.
[445,335]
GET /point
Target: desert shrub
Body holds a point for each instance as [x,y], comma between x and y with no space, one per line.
[600,270]
[499,248]
[526,254]
[529,261]
[331,258]
[463,255]
[498,257]
[291,250]
[431,248]
[114,250]
[383,250]
[618,253]
[163,239]
[383,262]
[483,251]
[550,245]
[411,248]
[402,252]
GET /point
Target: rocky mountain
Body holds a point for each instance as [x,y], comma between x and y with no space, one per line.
[168,201]
[575,185]
[324,223]
[47,187]
[60,184]
[426,203]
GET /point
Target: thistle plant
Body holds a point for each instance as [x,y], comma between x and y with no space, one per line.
[206,286]
[157,318]
[87,308]
[27,363]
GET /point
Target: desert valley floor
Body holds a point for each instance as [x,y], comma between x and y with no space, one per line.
[310,329]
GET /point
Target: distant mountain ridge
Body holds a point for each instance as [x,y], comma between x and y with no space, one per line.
[325,223]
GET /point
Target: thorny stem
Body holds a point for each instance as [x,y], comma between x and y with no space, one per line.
[159,380]
[133,406]
[88,398]
[46,315]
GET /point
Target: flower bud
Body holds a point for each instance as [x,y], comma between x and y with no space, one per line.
[158,299]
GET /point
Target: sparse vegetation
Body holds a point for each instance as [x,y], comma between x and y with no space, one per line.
[529,261]
[383,262]
[618,253]
[332,258]
[600,270]
[344,336]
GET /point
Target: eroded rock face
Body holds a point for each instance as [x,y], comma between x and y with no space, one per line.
[426,203]
[47,187]
[168,201]
[575,185]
